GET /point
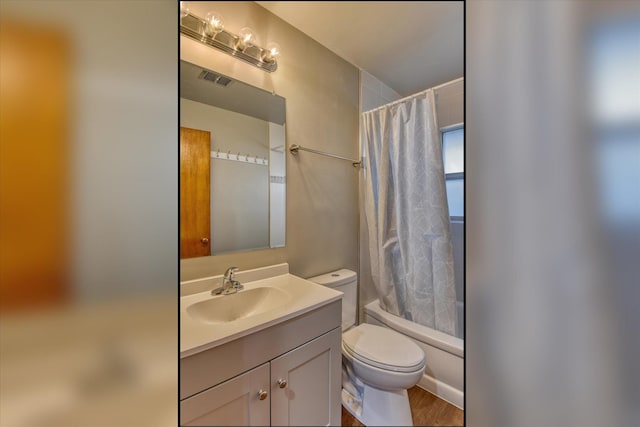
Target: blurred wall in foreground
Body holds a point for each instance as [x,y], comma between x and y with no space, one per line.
[553,213]
[88,218]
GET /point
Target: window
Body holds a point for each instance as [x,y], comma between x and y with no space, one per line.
[453,154]
[615,108]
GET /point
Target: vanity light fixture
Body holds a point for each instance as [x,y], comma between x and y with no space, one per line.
[184,9]
[271,52]
[246,39]
[213,24]
[244,45]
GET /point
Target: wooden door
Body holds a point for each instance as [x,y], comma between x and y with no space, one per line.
[313,374]
[34,164]
[236,402]
[195,196]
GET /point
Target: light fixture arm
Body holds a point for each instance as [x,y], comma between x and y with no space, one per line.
[193,27]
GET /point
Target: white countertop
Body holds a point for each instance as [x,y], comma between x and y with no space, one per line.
[304,296]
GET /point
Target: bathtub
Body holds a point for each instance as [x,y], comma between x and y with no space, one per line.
[444,354]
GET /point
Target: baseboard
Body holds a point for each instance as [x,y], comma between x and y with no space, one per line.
[442,390]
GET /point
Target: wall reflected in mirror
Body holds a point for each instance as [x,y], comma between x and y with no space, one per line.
[232,165]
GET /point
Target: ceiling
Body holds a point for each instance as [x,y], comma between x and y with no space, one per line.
[409,46]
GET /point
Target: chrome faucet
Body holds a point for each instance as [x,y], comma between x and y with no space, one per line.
[229,284]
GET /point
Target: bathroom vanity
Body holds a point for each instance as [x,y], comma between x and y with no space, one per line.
[268,355]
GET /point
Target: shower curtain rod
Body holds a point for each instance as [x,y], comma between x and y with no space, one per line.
[459,79]
[295,148]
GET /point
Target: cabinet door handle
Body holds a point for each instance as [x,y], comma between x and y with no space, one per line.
[262,395]
[204,240]
[282,383]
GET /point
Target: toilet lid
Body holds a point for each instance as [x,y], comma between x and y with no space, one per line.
[383,348]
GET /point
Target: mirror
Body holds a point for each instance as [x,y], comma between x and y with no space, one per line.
[232,165]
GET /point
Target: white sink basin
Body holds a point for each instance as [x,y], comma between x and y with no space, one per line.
[270,296]
[245,303]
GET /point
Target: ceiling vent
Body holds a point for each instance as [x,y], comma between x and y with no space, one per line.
[215,78]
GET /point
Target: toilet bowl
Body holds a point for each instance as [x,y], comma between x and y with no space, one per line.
[382,365]
[379,364]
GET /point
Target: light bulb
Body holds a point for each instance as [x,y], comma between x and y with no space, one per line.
[246,38]
[184,9]
[214,23]
[271,52]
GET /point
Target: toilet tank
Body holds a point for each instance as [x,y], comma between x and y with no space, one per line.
[345,281]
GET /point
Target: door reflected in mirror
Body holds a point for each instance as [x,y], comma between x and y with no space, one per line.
[232,165]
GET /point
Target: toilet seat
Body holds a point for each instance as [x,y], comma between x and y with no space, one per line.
[383,348]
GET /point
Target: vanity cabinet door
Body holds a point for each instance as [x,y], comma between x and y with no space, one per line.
[236,402]
[306,383]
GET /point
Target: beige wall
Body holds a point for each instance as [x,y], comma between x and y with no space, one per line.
[321,90]
[239,206]
[229,130]
[374,93]
[450,104]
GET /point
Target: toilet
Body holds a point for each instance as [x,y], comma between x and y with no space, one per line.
[378,364]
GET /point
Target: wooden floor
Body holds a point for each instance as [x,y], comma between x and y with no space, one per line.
[426,410]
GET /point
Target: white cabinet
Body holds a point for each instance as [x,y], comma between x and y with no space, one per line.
[300,387]
[306,383]
[240,401]
[296,363]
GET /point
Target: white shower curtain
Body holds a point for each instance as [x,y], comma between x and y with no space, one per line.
[407,214]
